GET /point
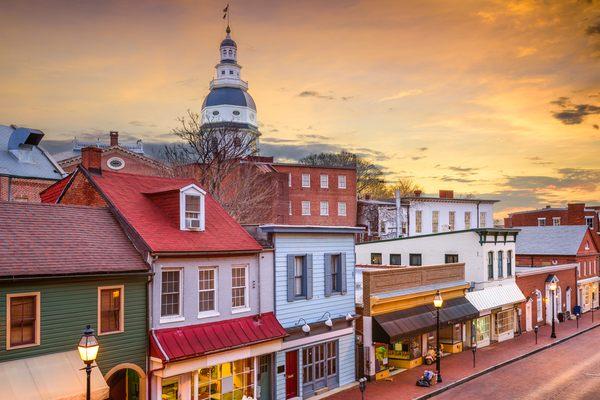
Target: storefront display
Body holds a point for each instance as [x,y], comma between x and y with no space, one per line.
[504,324]
[406,353]
[451,338]
[482,327]
[227,381]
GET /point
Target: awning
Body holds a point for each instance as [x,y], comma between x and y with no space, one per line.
[494,297]
[588,280]
[57,376]
[421,319]
[174,344]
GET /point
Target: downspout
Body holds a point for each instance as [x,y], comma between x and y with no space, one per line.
[398,214]
[149,292]
[259,257]
[478,225]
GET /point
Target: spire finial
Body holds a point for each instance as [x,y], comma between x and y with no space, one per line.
[228,30]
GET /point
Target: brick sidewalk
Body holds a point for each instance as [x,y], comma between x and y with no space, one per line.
[459,366]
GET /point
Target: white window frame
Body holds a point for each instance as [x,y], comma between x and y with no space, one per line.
[342,184]
[289,179]
[246,306]
[305,203]
[121,310]
[324,211]
[556,221]
[38,315]
[342,209]
[215,311]
[175,317]
[435,221]
[305,180]
[290,207]
[324,181]
[191,190]
[483,219]
[539,305]
[452,220]
[541,221]
[418,221]
[590,224]
[467,219]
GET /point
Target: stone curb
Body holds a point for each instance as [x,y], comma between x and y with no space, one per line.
[502,364]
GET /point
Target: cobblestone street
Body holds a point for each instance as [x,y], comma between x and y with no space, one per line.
[517,376]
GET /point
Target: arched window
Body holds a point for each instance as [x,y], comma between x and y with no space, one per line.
[491,265]
[500,264]
[230,52]
[568,299]
[539,305]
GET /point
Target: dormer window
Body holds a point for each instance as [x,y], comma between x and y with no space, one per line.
[192,208]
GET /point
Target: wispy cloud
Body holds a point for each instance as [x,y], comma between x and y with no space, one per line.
[402,94]
[573,114]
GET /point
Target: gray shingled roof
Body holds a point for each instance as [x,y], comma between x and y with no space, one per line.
[550,240]
[25,160]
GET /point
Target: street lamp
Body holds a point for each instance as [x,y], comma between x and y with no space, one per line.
[88,350]
[362,385]
[438,302]
[553,290]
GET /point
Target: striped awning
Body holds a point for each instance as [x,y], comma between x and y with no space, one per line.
[421,319]
[495,297]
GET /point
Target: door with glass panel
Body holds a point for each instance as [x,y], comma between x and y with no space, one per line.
[319,367]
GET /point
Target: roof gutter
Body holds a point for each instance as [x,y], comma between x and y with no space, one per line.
[202,253]
[15,278]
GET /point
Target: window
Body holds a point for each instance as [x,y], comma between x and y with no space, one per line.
[110,309]
[539,301]
[509,263]
[324,182]
[336,273]
[504,321]
[306,208]
[451,220]
[490,265]
[589,221]
[23,320]
[239,289]
[541,221]
[229,380]
[207,290]
[230,72]
[170,300]
[305,180]
[290,207]
[467,220]
[342,209]
[115,163]
[451,258]
[415,259]
[556,221]
[290,179]
[222,72]
[418,221]
[482,219]
[341,181]
[500,264]
[191,206]
[236,112]
[395,259]
[299,276]
[376,258]
[435,221]
[324,209]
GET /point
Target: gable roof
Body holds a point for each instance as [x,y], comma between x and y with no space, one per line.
[20,155]
[73,157]
[550,240]
[54,239]
[129,194]
[53,192]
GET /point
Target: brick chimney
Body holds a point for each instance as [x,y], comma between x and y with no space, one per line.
[575,214]
[91,159]
[114,138]
[418,193]
[446,194]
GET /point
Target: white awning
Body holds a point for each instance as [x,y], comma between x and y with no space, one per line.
[57,376]
[494,297]
[588,280]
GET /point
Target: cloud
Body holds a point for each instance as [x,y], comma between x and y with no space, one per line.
[402,94]
[573,114]
[463,170]
[593,29]
[264,140]
[538,160]
[417,158]
[314,136]
[582,179]
[312,93]
[423,148]
[595,126]
[526,51]
[447,178]
[141,124]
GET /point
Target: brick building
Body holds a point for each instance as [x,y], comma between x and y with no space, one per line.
[25,168]
[115,156]
[534,282]
[555,245]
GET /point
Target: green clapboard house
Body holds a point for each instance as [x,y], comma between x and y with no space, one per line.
[62,268]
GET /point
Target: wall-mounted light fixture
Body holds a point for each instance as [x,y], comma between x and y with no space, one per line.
[305,327]
[328,321]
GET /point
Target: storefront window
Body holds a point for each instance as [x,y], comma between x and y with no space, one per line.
[408,348]
[227,381]
[482,325]
[504,321]
[451,334]
[170,389]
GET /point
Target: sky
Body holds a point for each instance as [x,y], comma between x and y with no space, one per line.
[498,99]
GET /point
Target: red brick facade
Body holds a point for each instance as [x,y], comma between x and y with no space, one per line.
[134,163]
[573,214]
[531,285]
[26,190]
[81,192]
[332,195]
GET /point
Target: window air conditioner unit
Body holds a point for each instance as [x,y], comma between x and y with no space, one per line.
[192,224]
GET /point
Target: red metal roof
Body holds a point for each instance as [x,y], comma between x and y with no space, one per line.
[158,228]
[55,239]
[52,192]
[174,344]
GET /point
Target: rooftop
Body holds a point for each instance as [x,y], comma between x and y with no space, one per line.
[550,240]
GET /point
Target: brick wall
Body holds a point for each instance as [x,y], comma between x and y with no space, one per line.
[27,190]
[315,194]
[574,214]
[82,193]
[529,284]
[133,164]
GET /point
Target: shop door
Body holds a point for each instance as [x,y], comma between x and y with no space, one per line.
[264,377]
[291,374]
[528,312]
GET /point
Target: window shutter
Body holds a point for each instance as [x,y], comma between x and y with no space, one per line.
[343,273]
[309,276]
[290,277]
[328,283]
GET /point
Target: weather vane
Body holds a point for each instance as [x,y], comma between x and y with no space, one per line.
[226,15]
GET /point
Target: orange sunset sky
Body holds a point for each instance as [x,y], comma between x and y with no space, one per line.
[500,99]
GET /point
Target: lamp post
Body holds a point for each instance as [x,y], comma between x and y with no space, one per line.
[88,350]
[362,385]
[536,329]
[553,290]
[437,302]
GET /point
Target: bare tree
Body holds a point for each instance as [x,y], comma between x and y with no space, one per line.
[406,185]
[219,156]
